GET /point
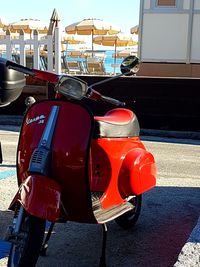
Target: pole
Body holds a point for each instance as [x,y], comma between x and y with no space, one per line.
[1,155]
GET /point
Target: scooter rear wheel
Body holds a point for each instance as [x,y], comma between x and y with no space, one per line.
[26,247]
[129,219]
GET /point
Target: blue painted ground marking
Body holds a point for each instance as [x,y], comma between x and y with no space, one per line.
[7,173]
[5,246]
[4,249]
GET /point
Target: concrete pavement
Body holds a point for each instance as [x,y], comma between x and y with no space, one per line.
[190,253]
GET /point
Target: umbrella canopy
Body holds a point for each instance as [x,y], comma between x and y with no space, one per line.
[3,35]
[125,53]
[135,29]
[76,54]
[68,39]
[27,25]
[54,21]
[92,27]
[71,39]
[114,40]
[121,54]
[3,23]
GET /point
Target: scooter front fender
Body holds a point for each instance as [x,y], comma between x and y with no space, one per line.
[40,196]
[138,172]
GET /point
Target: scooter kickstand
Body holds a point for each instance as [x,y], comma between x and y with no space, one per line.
[44,246]
[103,253]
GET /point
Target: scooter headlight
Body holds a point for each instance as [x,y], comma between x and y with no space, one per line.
[72,87]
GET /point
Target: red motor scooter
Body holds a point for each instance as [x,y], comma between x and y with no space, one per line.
[74,166]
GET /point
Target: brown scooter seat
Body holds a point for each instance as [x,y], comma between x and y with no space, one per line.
[117,122]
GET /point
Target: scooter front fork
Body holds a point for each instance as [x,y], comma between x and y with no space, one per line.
[14,229]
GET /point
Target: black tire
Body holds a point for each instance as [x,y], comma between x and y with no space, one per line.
[129,219]
[25,251]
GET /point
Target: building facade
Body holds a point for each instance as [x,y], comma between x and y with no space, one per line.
[169,37]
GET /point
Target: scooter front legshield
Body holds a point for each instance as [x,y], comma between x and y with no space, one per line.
[40,196]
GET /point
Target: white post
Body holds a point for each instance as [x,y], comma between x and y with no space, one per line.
[22,48]
[50,53]
[57,50]
[36,49]
[8,45]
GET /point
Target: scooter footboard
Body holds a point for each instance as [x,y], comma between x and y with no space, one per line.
[138,173]
[40,196]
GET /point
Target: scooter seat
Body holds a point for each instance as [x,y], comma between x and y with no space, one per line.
[117,122]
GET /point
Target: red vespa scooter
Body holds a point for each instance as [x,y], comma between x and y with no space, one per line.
[73,166]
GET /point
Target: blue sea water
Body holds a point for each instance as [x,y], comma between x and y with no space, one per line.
[109,60]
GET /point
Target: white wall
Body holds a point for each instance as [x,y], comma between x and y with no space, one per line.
[195,42]
[164,37]
[170,34]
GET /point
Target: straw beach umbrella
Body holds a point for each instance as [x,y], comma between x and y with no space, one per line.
[92,27]
[3,23]
[76,54]
[71,39]
[27,25]
[122,54]
[68,39]
[114,40]
[135,29]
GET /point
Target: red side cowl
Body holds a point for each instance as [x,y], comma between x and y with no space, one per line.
[138,173]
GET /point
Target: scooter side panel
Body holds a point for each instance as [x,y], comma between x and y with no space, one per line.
[138,173]
[108,156]
[70,153]
[40,196]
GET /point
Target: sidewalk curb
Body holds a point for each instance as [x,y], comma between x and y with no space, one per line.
[190,253]
[171,134]
[11,120]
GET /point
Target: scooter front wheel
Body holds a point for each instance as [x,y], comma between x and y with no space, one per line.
[25,248]
[129,219]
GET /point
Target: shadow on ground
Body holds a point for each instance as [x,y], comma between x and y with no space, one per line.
[167,219]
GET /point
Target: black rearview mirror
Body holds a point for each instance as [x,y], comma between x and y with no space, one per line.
[129,65]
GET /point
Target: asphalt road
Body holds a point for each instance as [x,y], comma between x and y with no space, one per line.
[169,213]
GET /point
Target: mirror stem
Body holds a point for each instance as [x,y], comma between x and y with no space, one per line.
[109,79]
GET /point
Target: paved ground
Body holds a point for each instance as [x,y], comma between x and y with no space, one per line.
[169,215]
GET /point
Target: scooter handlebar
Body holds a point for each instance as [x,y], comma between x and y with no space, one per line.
[113,101]
[93,94]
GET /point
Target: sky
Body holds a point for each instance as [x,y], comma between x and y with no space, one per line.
[124,14]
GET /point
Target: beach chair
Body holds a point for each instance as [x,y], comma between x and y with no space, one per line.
[74,67]
[96,67]
[43,63]
[16,58]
